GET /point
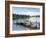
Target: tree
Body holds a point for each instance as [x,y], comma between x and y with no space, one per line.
[17,16]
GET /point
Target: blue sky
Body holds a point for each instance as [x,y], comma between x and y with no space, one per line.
[25,10]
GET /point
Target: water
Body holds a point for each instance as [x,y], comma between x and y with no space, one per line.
[33,19]
[21,27]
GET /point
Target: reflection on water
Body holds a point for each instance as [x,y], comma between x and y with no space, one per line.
[26,24]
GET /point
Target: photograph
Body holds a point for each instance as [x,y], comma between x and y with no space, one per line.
[25,18]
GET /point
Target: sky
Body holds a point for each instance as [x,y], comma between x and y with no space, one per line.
[26,10]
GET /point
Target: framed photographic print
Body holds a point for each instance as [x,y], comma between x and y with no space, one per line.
[24,18]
